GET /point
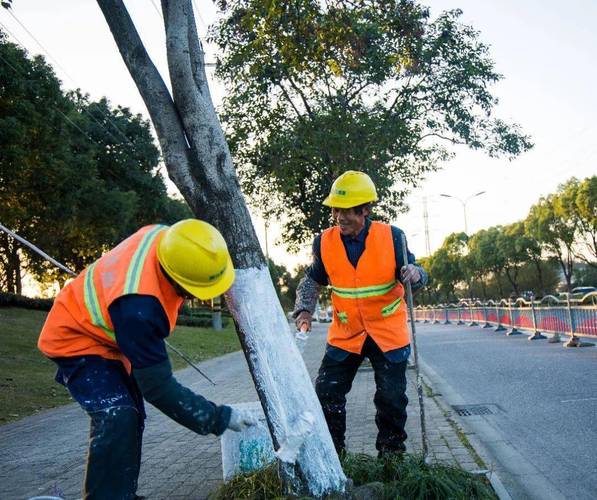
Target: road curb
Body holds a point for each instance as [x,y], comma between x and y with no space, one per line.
[524,479]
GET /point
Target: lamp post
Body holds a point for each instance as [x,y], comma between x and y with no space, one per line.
[464,202]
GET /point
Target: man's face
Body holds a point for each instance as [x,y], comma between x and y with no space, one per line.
[349,221]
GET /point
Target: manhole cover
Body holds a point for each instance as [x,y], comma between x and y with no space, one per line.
[470,410]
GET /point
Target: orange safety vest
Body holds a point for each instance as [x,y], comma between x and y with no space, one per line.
[367,300]
[79,322]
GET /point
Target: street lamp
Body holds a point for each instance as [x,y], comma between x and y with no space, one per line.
[464,205]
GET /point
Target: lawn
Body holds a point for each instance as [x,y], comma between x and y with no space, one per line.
[27,383]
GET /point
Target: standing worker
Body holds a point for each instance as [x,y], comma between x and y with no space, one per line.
[106,333]
[361,260]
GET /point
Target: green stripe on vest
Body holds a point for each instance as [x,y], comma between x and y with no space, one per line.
[133,277]
[363,292]
[92,303]
[133,274]
[391,308]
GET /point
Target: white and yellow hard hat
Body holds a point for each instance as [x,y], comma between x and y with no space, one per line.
[195,255]
[351,189]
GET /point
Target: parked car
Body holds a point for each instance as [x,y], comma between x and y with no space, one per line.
[580,291]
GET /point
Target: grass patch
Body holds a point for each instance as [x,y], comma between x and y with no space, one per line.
[200,344]
[403,477]
[27,383]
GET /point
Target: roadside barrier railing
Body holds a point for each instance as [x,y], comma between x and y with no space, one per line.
[575,317]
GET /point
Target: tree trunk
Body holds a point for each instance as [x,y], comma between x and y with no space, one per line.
[499,284]
[11,265]
[512,280]
[537,263]
[199,163]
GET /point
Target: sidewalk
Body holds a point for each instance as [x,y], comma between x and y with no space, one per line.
[45,454]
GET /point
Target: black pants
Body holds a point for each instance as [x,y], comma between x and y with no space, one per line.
[334,381]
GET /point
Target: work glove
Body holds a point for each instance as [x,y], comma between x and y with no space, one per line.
[410,273]
[303,318]
[240,420]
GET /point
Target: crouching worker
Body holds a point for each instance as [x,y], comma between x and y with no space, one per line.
[106,333]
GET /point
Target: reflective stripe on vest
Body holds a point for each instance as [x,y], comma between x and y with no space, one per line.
[363,292]
[391,308]
[133,276]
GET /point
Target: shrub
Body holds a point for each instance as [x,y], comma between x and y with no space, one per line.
[403,476]
[13,300]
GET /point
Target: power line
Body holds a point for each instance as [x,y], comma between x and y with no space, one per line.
[199,16]
[66,117]
[56,107]
[57,63]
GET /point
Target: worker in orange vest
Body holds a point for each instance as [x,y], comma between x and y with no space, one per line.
[361,260]
[106,333]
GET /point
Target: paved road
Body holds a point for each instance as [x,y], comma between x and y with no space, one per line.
[44,454]
[543,400]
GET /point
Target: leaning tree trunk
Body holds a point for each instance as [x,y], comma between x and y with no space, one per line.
[199,163]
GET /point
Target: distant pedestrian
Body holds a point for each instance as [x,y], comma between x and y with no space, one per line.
[361,260]
[106,333]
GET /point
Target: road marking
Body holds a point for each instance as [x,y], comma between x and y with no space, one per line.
[580,399]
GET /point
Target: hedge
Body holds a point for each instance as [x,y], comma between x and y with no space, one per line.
[199,317]
[14,300]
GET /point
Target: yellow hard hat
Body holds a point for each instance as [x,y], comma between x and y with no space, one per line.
[195,255]
[351,189]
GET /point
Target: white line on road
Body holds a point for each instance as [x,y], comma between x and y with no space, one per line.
[580,399]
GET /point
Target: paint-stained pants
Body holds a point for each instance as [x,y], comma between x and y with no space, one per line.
[115,406]
[334,381]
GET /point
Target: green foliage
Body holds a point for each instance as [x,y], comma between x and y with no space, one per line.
[576,202]
[565,225]
[584,277]
[76,177]
[447,265]
[402,477]
[14,300]
[27,383]
[26,376]
[409,476]
[203,321]
[318,88]
[263,484]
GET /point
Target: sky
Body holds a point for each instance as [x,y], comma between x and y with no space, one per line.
[544,49]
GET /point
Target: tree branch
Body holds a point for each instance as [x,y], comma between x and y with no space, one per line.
[197,57]
[199,119]
[290,101]
[301,94]
[154,92]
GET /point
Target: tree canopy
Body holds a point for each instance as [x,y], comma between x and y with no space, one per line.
[559,231]
[76,176]
[318,88]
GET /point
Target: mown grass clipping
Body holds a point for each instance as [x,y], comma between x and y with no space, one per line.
[401,477]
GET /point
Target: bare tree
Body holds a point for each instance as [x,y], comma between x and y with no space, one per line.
[199,163]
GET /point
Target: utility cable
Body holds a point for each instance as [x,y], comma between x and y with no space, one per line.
[67,119]
[67,74]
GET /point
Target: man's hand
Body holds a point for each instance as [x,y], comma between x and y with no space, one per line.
[410,273]
[240,420]
[304,318]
